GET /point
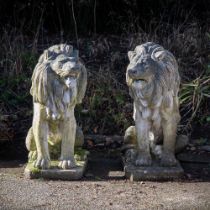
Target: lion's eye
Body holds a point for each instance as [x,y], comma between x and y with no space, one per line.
[71,77]
[57,65]
[60,64]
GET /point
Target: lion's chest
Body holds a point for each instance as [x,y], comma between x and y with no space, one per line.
[55,133]
[57,128]
[69,100]
[147,104]
[143,93]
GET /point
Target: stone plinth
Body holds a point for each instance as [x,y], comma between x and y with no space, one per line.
[152,173]
[56,173]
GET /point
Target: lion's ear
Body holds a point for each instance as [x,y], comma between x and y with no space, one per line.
[131,54]
[82,83]
[43,57]
[47,55]
[66,48]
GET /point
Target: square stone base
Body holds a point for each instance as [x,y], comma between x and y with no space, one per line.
[152,173]
[56,173]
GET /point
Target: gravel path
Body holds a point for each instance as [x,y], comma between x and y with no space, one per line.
[98,192]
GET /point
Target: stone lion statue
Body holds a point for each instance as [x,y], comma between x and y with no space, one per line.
[153,80]
[58,83]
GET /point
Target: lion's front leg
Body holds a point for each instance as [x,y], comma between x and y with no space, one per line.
[40,130]
[68,130]
[142,131]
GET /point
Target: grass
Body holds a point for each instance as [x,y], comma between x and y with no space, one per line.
[193,96]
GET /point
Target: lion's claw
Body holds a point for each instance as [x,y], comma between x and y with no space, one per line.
[143,159]
[67,164]
[168,159]
[42,163]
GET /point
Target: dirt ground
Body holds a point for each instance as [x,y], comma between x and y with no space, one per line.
[103,187]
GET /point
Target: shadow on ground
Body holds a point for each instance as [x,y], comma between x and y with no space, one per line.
[102,165]
[105,163]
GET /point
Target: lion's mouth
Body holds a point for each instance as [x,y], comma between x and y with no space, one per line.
[139,83]
[139,80]
[71,75]
[74,76]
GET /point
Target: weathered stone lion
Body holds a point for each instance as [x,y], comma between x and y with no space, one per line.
[153,80]
[58,83]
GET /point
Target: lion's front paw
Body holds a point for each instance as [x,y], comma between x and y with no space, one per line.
[42,163]
[67,164]
[130,155]
[168,159]
[143,159]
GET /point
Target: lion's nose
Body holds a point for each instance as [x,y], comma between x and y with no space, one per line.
[132,71]
[75,67]
[71,66]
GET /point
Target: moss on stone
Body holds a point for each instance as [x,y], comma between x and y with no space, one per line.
[80,157]
[80,154]
[33,169]
[55,150]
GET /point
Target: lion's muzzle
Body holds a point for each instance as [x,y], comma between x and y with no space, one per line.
[132,73]
[135,75]
[74,67]
[71,71]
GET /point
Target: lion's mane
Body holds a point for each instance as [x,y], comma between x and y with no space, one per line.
[166,80]
[47,88]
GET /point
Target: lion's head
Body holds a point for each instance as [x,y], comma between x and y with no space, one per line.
[59,78]
[152,74]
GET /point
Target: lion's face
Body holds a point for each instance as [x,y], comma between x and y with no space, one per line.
[141,70]
[68,68]
[59,79]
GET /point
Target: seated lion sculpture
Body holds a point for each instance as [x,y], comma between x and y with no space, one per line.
[58,83]
[153,80]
